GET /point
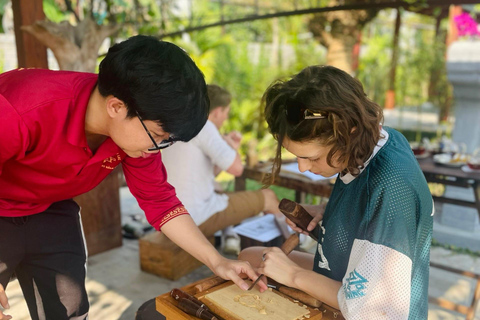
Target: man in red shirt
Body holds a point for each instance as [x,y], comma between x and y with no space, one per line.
[62,133]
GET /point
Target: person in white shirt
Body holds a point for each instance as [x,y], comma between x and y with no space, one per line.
[193,166]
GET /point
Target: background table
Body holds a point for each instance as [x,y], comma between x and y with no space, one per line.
[285,179]
[452,177]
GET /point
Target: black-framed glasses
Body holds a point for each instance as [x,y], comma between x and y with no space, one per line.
[295,114]
[157,146]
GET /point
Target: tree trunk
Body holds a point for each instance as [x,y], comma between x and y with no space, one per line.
[339,31]
[75,48]
[339,55]
[390,96]
[274,53]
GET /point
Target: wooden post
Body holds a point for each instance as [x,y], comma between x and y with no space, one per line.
[100,211]
[452,27]
[356,53]
[390,98]
[30,52]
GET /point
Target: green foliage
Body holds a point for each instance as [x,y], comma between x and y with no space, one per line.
[252,185]
[421,58]
[236,60]
[374,66]
[53,12]
[2,60]
[455,249]
[3,3]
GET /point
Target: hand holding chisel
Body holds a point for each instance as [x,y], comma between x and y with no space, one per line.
[298,215]
[286,247]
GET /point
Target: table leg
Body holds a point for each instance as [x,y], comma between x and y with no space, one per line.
[298,196]
[476,191]
[240,183]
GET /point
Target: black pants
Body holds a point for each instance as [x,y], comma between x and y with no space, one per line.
[47,253]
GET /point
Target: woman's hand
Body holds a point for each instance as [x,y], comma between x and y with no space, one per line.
[232,269]
[278,266]
[316,211]
[4,304]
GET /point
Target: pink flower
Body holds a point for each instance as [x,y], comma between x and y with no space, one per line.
[466,25]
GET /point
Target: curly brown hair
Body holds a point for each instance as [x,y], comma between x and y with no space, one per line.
[349,121]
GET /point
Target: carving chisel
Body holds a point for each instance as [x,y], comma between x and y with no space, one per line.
[286,247]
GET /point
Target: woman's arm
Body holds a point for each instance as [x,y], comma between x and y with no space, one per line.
[282,269]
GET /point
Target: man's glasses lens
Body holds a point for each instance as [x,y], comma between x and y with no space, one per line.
[162,145]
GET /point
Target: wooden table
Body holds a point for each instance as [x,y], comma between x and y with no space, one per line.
[294,181]
[452,177]
[167,306]
[433,173]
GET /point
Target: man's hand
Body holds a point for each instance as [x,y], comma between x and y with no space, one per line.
[4,304]
[316,211]
[183,231]
[232,269]
[233,139]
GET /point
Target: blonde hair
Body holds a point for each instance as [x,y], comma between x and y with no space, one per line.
[219,97]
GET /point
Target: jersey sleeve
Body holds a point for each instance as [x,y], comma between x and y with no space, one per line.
[376,284]
[14,134]
[147,180]
[378,280]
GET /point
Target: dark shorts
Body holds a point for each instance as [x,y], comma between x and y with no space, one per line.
[47,253]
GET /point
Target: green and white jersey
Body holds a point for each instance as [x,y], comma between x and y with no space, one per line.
[376,235]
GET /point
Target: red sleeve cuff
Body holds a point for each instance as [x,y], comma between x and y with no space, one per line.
[178,211]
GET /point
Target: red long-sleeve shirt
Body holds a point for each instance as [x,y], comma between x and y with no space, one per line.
[44,156]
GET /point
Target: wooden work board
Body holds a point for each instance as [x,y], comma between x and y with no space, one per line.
[167,306]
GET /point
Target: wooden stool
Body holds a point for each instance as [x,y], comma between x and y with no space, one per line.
[160,256]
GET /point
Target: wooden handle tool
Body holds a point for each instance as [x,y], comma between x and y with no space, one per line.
[210,283]
[300,296]
[193,309]
[178,294]
[295,293]
[286,247]
[299,216]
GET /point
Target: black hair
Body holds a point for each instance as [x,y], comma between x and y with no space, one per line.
[158,80]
